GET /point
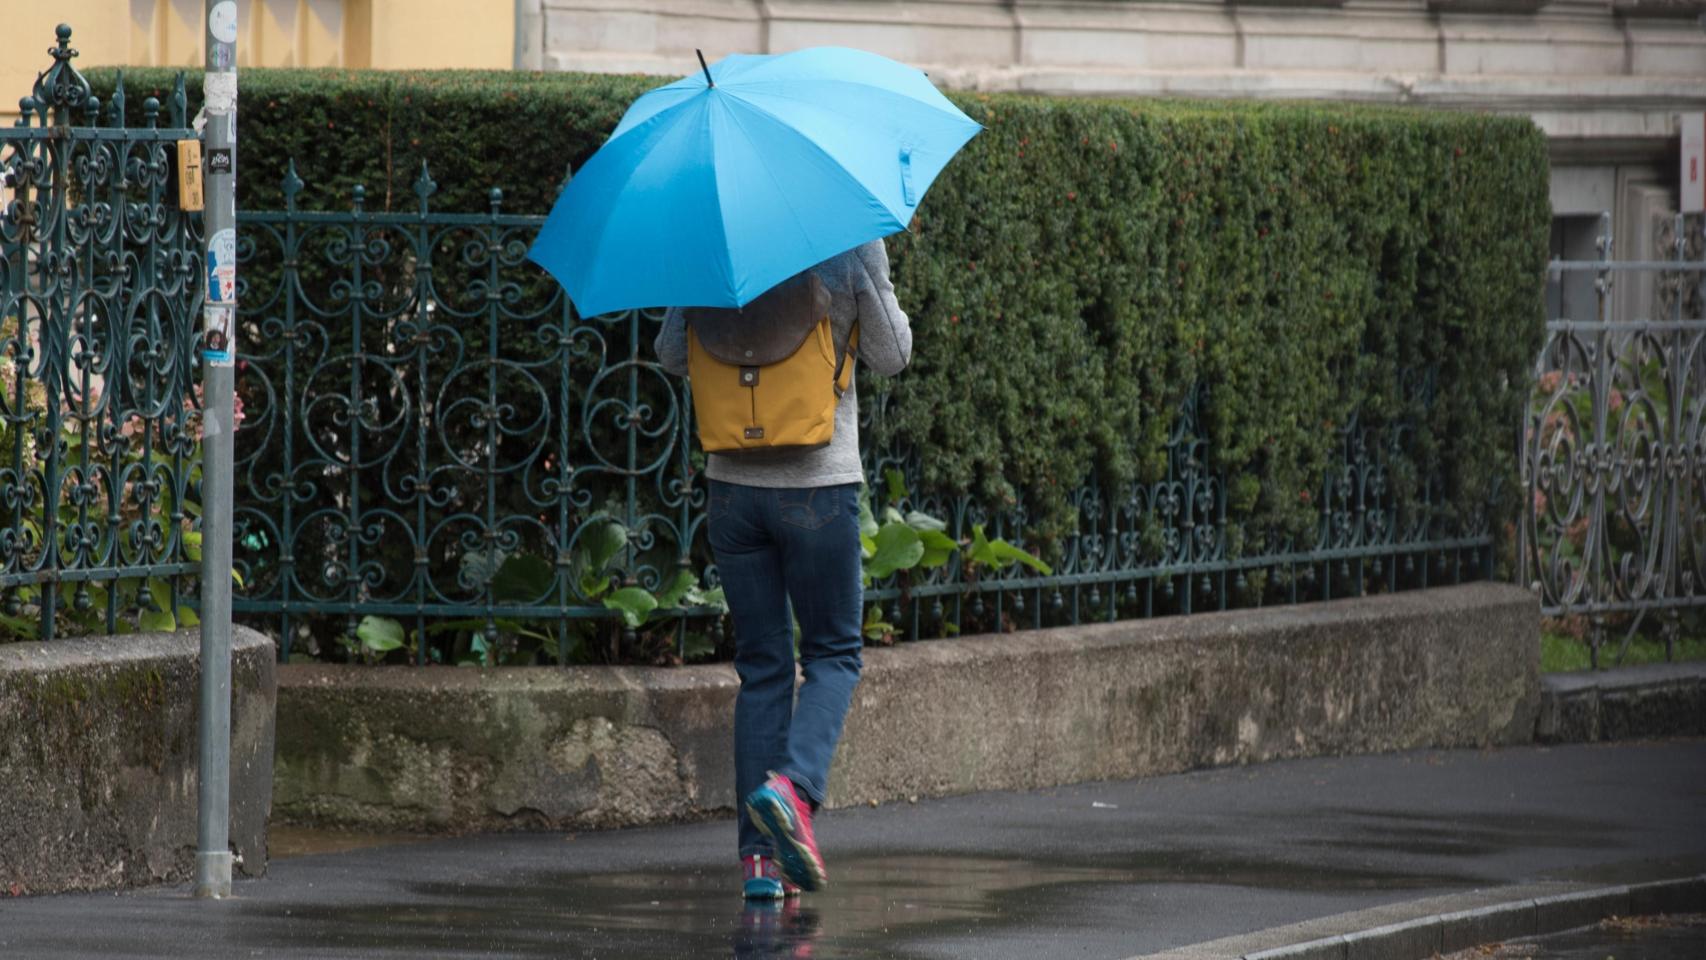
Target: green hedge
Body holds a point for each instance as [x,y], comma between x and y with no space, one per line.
[1082,265]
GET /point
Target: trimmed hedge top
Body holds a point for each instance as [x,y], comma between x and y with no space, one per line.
[1082,267]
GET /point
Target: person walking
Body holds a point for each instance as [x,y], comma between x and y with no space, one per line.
[783,521]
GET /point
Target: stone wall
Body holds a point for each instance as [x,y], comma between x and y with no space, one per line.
[517,748]
[1609,70]
[98,749]
[1623,703]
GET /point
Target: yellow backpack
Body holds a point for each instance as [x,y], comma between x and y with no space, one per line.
[767,376]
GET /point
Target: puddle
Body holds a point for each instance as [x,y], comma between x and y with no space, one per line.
[875,902]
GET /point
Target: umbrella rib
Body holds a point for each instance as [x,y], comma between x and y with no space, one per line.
[717,198]
[665,121]
[765,165]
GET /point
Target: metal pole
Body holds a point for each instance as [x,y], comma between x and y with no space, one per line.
[213,852]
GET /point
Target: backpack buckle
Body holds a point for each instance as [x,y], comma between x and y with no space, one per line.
[749,376]
[755,433]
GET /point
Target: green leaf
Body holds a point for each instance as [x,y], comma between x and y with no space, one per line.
[635,604]
[697,646]
[480,566]
[524,578]
[700,597]
[1000,553]
[677,590]
[187,617]
[923,521]
[379,634]
[156,621]
[192,545]
[603,542]
[896,482]
[875,627]
[891,515]
[867,520]
[23,627]
[1006,554]
[599,545]
[867,546]
[593,587]
[938,547]
[898,548]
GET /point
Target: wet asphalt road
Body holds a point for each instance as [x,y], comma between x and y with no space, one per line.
[1101,871]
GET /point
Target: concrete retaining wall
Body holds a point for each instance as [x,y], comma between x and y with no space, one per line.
[460,749]
[1625,703]
[98,749]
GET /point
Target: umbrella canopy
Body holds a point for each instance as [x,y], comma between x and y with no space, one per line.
[712,191]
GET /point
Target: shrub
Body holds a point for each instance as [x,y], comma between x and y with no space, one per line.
[1083,269]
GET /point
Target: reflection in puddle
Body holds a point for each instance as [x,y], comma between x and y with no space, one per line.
[785,931]
[875,903]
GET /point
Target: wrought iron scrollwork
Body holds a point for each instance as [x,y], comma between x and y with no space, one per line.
[1613,454]
[99,290]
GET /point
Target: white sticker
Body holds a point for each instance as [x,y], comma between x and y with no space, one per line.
[220,92]
[222,267]
[209,424]
[222,21]
[218,349]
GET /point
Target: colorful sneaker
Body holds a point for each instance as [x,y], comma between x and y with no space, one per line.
[779,813]
[763,879]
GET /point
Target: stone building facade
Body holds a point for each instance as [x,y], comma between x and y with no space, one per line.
[1605,79]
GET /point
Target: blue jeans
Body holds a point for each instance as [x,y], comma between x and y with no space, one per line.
[776,547]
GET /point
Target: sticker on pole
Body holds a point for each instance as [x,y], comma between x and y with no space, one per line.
[1692,178]
[220,92]
[222,21]
[217,347]
[222,267]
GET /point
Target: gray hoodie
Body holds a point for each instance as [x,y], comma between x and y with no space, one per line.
[859,288]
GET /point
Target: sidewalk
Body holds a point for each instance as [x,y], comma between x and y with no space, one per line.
[1096,871]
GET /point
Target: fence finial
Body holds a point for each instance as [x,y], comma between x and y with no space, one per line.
[180,102]
[425,186]
[116,104]
[292,184]
[62,86]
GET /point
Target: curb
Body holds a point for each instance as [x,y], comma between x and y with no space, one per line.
[1377,935]
[1624,703]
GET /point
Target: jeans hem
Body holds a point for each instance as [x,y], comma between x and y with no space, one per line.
[803,787]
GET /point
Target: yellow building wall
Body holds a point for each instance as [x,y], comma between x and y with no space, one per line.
[381,34]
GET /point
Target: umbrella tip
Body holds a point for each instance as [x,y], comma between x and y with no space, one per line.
[708,81]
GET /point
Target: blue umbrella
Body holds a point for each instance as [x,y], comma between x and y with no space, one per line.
[722,184]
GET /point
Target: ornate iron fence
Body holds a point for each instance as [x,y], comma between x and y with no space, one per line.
[99,287]
[1613,454]
[432,436]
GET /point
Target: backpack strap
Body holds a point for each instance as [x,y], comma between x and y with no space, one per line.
[845,361]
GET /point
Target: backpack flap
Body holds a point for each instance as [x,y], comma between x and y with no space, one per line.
[767,330]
